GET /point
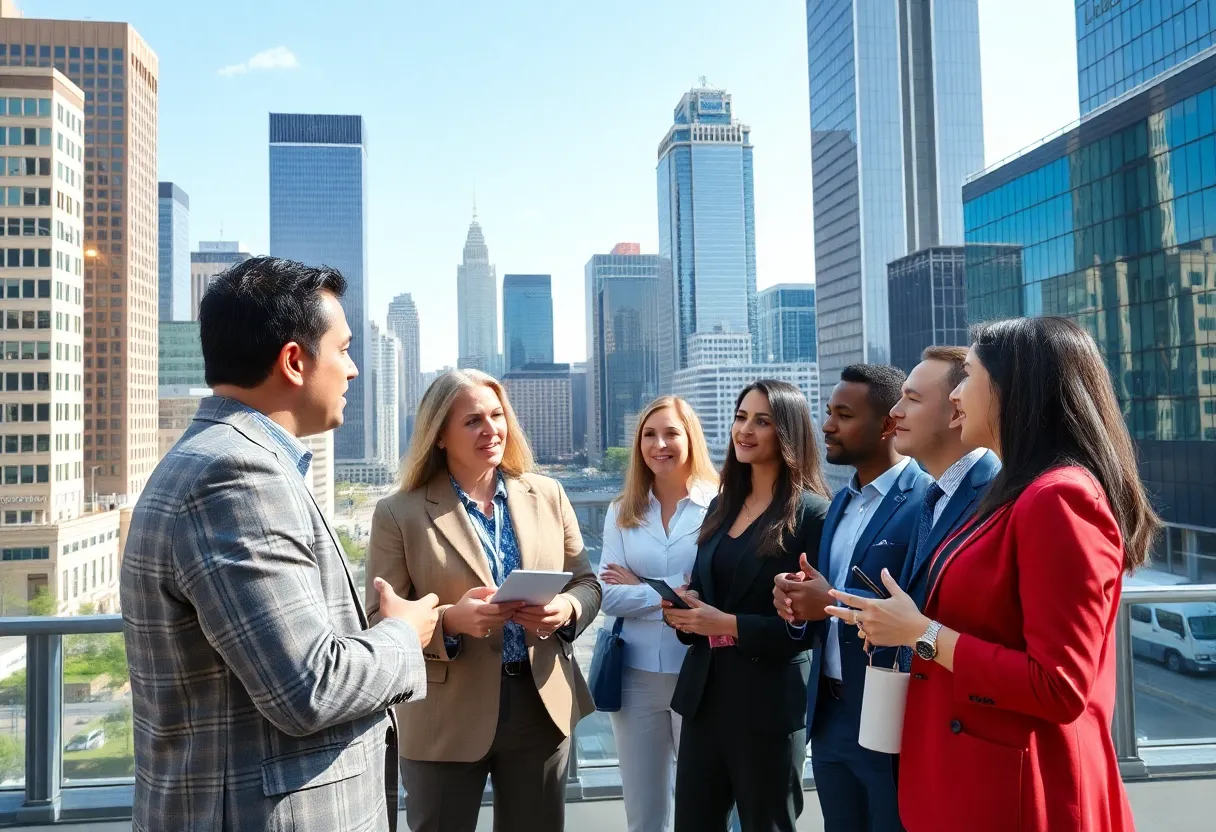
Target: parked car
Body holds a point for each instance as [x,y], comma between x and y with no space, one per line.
[87,742]
[1181,636]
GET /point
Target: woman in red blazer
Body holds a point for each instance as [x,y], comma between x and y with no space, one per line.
[1013,686]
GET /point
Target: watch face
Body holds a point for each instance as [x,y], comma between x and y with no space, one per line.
[926,650]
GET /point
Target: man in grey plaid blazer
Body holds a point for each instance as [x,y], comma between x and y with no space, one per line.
[261,696]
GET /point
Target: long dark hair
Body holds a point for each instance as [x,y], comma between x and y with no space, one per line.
[1057,407]
[801,470]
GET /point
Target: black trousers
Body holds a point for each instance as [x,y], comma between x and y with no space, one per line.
[725,762]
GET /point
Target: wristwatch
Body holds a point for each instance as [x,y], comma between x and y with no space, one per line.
[926,645]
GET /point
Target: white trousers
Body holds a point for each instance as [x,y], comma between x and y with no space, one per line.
[647,735]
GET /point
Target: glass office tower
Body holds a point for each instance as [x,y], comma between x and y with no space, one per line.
[174,252]
[527,320]
[896,127]
[929,292]
[1116,220]
[630,353]
[707,222]
[318,215]
[786,318]
[1123,43]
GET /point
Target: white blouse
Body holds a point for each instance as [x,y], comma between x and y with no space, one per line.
[649,552]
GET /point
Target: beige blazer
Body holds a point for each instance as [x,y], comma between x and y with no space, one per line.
[423,541]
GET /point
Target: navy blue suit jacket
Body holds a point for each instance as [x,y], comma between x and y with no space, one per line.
[884,544]
[959,509]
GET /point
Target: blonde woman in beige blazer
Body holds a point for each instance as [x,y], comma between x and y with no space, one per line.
[503,690]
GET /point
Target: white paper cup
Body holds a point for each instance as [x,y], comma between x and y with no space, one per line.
[882,709]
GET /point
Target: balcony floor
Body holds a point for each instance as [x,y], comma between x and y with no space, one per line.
[1181,805]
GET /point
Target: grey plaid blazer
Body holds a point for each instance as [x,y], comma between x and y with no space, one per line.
[261,697]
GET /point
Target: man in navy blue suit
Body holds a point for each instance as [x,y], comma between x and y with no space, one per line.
[871,524]
[927,429]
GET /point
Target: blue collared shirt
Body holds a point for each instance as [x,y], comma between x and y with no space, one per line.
[502,563]
[293,448]
[862,504]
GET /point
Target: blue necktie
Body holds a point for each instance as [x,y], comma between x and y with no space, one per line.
[926,519]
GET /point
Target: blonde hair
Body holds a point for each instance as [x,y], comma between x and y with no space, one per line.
[634,499]
[425,458]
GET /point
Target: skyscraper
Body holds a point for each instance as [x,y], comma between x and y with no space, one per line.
[180,354]
[707,223]
[48,532]
[117,72]
[929,289]
[328,225]
[630,353]
[174,252]
[541,398]
[527,320]
[477,304]
[403,324]
[896,127]
[786,322]
[1122,45]
[386,374]
[211,258]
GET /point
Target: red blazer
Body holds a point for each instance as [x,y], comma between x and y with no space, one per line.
[1018,738]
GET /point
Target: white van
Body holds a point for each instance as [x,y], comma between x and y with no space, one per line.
[1182,636]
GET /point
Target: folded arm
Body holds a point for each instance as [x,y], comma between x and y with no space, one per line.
[244,560]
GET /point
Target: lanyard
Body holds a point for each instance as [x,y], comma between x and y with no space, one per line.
[495,553]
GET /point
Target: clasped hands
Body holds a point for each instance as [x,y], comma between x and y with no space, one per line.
[476,616]
[881,622]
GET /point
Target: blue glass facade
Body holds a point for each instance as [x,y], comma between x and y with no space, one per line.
[1116,221]
[318,215]
[527,319]
[630,353]
[173,256]
[786,318]
[928,290]
[896,127]
[1123,43]
[707,225]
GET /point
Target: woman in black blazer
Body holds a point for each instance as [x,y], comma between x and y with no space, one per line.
[742,687]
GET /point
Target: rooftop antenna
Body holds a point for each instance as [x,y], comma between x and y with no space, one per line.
[704,81]
[474,202]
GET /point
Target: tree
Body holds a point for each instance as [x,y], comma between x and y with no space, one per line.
[42,603]
[118,724]
[12,757]
[356,552]
[615,460]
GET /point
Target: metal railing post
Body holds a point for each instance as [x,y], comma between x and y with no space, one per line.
[1124,727]
[43,727]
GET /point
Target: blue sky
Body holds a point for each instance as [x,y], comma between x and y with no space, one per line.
[551,109]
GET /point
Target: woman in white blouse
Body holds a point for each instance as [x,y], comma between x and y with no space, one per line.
[651,532]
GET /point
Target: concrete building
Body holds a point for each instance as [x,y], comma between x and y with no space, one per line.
[403,324]
[720,367]
[707,217]
[117,71]
[173,260]
[318,214]
[321,471]
[53,540]
[477,305]
[176,404]
[211,258]
[541,397]
[578,406]
[387,396]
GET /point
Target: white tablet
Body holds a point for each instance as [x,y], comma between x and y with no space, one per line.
[533,586]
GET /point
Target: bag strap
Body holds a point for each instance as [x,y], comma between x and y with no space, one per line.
[616,627]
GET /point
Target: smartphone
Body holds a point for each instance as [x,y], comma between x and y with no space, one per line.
[666,592]
[881,592]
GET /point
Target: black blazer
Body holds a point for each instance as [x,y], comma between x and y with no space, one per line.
[763,678]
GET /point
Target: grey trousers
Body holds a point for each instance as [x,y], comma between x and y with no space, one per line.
[526,765]
[647,733]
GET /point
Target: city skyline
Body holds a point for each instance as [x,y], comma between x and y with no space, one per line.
[524,192]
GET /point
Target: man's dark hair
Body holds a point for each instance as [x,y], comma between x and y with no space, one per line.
[885,383]
[253,309]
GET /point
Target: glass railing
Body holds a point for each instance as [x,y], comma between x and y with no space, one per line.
[66,737]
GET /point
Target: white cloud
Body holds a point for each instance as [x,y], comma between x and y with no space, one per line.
[280,57]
